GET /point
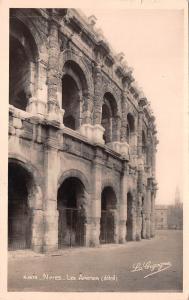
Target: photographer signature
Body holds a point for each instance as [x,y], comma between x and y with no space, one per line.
[153,268]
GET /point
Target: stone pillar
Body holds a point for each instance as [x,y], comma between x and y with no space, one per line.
[51,167]
[144,216]
[116,145]
[37,230]
[139,138]
[54,111]
[139,217]
[134,219]
[148,213]
[123,206]
[124,146]
[87,129]
[59,88]
[153,159]
[95,212]
[143,225]
[38,105]
[123,131]
[87,108]
[116,226]
[152,229]
[116,128]
[97,113]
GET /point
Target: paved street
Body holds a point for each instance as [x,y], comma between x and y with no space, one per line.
[108,268]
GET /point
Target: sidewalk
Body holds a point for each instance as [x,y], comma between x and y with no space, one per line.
[20,254]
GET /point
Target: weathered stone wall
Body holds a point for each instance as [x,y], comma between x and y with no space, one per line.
[63,43]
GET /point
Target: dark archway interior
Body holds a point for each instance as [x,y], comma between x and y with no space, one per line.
[109,111]
[23,55]
[107,221]
[130,127]
[70,102]
[106,123]
[19,218]
[72,215]
[129,217]
[19,75]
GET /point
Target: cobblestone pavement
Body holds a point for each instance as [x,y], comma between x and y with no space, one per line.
[108,268]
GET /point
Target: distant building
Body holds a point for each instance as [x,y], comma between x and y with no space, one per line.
[170,216]
[175,216]
[175,213]
[161,219]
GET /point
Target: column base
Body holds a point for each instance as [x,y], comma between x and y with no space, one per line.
[50,248]
[93,232]
[55,113]
[87,130]
[36,107]
[122,232]
[120,147]
[94,133]
[37,231]
[51,231]
[134,228]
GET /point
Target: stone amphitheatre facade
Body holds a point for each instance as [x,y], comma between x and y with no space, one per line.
[82,137]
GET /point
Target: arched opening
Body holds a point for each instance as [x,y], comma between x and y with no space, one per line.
[22,65]
[72,213]
[106,123]
[130,128]
[70,102]
[109,118]
[19,214]
[108,216]
[74,91]
[129,222]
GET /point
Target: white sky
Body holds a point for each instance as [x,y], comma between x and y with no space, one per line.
[152,41]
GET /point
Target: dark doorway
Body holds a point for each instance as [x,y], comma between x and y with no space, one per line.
[108,211]
[19,217]
[129,222]
[72,216]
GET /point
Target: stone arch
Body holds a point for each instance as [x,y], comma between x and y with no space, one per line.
[68,55]
[72,204]
[31,168]
[109,216]
[24,57]
[109,89]
[111,183]
[24,198]
[130,126]
[40,41]
[77,174]
[131,110]
[110,119]
[131,133]
[76,92]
